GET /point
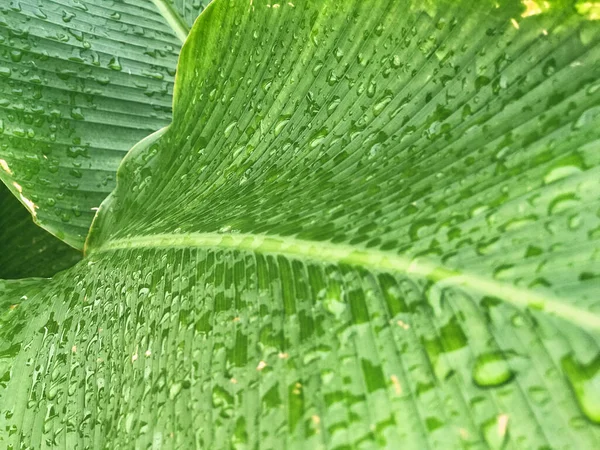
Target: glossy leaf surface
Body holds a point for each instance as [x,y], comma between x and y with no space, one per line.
[80,83]
[370,225]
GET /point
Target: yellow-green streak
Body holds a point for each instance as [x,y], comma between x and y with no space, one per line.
[173,19]
[373,259]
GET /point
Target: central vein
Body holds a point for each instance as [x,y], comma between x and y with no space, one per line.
[373,259]
[173,19]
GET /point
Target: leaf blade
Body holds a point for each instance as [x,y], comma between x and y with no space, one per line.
[244,344]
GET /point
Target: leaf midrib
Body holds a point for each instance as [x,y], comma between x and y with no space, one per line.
[368,258]
[174,20]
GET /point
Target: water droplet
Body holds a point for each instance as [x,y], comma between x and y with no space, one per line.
[317,138]
[281,123]
[67,16]
[333,104]
[575,221]
[77,114]
[549,67]
[562,202]
[372,88]
[317,68]
[16,55]
[115,64]
[586,118]
[266,85]
[585,382]
[381,104]
[339,54]
[539,395]
[229,128]
[561,172]
[491,369]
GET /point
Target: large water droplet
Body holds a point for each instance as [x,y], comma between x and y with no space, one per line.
[491,369]
[585,382]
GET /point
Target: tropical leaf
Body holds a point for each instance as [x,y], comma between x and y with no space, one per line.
[370,224]
[81,81]
[27,250]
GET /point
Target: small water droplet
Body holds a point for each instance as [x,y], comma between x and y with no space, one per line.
[562,202]
[229,128]
[317,138]
[549,67]
[381,104]
[561,172]
[333,104]
[281,123]
[67,16]
[115,64]
[339,54]
[77,114]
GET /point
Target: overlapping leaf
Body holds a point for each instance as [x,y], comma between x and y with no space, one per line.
[81,81]
[370,225]
[28,250]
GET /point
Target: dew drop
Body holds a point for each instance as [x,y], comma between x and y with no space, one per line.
[491,369]
[381,104]
[317,68]
[562,202]
[67,16]
[561,172]
[281,123]
[115,64]
[333,104]
[77,114]
[229,128]
[585,382]
[16,55]
[318,137]
[339,54]
[549,67]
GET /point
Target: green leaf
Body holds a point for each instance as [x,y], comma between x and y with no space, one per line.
[369,225]
[28,250]
[81,82]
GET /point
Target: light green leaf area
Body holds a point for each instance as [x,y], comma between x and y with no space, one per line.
[370,225]
[28,250]
[81,81]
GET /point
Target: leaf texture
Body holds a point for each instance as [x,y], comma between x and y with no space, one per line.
[369,225]
[80,83]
